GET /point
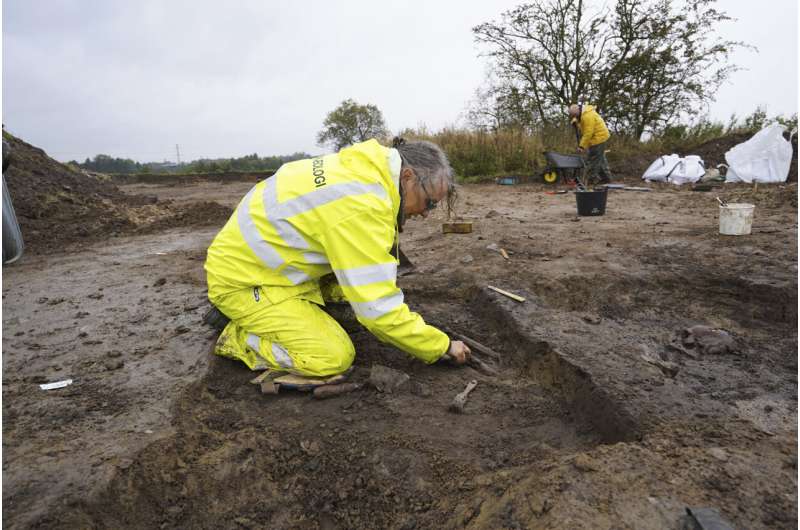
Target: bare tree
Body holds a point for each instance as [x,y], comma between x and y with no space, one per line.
[642,62]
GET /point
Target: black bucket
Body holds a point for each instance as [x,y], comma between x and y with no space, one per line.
[591,202]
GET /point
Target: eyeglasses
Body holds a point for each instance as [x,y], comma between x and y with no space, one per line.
[430,204]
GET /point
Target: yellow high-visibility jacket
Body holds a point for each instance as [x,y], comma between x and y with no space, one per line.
[592,128]
[333,213]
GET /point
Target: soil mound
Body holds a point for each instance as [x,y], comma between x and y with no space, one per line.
[57,205]
[713,151]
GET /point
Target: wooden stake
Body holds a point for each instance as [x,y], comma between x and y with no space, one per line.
[506,293]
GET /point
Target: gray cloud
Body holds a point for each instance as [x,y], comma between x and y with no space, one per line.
[133,79]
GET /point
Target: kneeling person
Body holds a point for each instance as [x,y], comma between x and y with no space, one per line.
[339,214]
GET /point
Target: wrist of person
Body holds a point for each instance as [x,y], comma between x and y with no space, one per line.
[445,355]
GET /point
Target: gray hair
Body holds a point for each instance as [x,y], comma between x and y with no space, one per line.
[429,164]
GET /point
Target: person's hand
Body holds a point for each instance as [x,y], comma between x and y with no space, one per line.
[581,150]
[458,352]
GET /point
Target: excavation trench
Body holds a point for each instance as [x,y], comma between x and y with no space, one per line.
[364,460]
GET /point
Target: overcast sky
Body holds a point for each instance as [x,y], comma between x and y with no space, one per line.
[133,78]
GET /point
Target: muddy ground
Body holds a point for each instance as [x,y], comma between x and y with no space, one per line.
[596,419]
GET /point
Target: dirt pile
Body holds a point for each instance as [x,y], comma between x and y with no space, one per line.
[57,205]
[713,151]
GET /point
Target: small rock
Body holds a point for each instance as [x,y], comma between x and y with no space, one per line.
[181,329]
[584,462]
[159,282]
[491,214]
[310,447]
[707,340]
[591,319]
[114,364]
[718,453]
[96,296]
[386,379]
[467,259]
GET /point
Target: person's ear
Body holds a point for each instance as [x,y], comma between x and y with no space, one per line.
[407,175]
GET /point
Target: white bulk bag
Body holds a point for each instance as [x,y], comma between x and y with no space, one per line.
[673,168]
[765,157]
[661,168]
[690,169]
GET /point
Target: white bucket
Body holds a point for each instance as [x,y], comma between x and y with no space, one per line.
[736,219]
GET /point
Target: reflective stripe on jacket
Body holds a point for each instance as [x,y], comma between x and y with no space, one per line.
[337,214]
[592,128]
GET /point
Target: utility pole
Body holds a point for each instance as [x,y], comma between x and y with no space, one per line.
[178,151]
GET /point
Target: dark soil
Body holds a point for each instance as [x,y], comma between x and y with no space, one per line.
[596,420]
[57,205]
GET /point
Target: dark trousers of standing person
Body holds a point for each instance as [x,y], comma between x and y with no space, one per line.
[597,165]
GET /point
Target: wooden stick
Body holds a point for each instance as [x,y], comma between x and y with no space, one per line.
[481,366]
[506,293]
[329,391]
[475,345]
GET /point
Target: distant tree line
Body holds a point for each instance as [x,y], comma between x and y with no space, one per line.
[108,164]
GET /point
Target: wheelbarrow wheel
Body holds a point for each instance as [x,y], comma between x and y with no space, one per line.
[550,177]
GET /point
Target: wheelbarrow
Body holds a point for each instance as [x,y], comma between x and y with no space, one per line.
[565,168]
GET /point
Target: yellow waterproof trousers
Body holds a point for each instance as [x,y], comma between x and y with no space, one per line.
[294,334]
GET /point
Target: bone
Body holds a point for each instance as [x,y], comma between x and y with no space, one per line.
[460,400]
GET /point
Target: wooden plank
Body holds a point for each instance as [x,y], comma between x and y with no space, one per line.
[506,293]
[456,228]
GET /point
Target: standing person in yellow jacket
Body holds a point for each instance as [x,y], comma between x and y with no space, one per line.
[592,137]
[339,214]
